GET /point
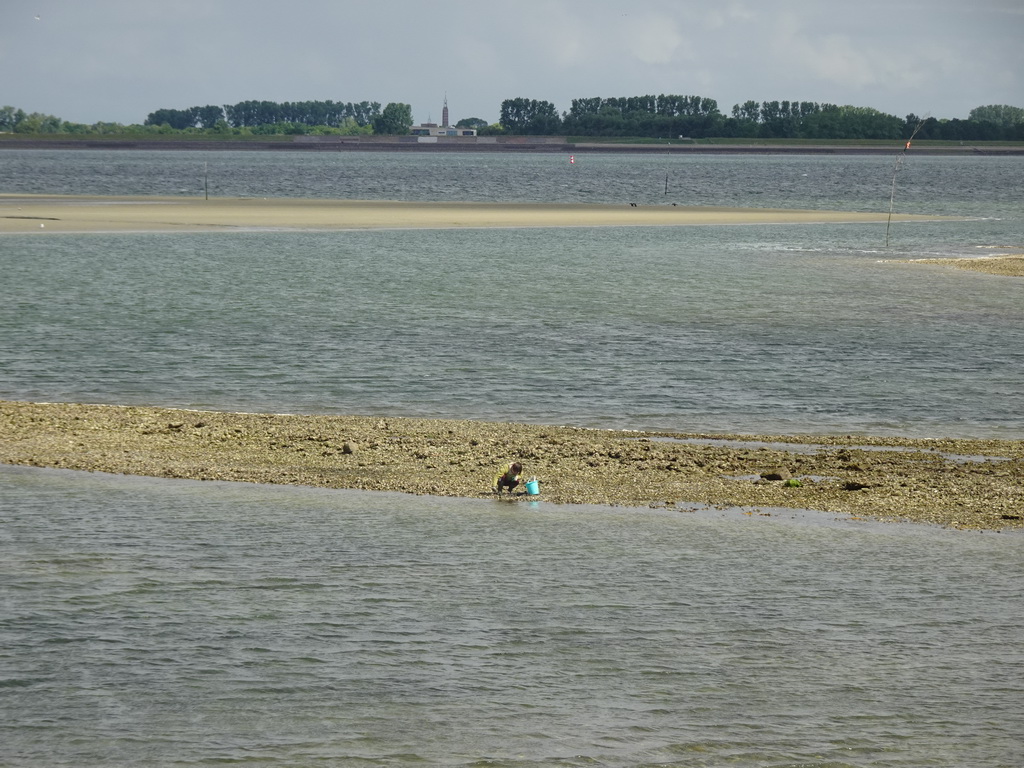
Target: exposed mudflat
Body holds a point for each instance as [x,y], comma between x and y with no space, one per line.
[1011,265]
[950,482]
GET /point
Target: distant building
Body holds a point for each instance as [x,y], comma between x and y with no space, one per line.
[433,129]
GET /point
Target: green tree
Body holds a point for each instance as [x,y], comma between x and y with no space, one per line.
[351,127]
[826,122]
[868,123]
[37,122]
[529,116]
[1000,115]
[648,115]
[396,119]
[108,129]
[748,110]
[10,117]
[178,119]
[471,122]
[365,112]
[208,116]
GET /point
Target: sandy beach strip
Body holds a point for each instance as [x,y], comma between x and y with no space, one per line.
[965,484]
[80,214]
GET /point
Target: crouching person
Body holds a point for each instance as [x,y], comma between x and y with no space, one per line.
[509,478]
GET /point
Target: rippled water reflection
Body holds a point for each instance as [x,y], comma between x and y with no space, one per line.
[160,623]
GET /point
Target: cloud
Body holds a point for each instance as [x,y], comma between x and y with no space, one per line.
[859,66]
[121,59]
[653,39]
[725,15]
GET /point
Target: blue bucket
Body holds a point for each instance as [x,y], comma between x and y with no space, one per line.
[532,488]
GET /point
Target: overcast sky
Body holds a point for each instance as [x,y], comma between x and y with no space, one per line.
[118,60]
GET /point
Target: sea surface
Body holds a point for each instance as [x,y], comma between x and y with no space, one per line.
[164,623]
[781,328]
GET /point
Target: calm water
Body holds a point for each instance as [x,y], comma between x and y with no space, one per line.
[976,185]
[174,623]
[783,328]
[153,622]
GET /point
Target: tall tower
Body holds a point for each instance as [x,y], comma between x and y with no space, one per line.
[444,112]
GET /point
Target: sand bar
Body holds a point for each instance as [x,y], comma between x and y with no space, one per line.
[1009,265]
[79,214]
[966,484]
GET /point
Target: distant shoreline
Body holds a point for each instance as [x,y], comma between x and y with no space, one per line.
[486,144]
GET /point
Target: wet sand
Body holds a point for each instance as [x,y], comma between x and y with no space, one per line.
[967,484]
[79,214]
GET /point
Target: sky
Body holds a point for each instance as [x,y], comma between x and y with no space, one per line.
[89,61]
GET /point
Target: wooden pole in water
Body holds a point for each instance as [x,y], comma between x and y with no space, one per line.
[206,178]
[896,169]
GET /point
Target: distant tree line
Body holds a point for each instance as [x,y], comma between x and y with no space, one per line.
[289,116]
[194,117]
[14,120]
[662,116]
[696,117]
[242,119]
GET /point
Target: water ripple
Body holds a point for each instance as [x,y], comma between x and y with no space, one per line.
[505,636]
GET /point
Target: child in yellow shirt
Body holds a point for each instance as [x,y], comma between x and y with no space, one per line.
[509,478]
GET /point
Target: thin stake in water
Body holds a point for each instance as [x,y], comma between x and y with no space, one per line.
[896,169]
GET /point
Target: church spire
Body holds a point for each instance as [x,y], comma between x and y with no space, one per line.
[444,112]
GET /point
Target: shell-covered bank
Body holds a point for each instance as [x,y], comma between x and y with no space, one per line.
[959,483]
